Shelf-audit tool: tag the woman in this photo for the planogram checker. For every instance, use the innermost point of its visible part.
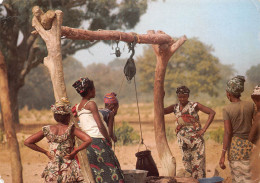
(103, 162)
(62, 166)
(237, 118)
(254, 137)
(109, 112)
(189, 131)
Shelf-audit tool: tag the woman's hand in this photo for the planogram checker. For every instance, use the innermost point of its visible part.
(201, 132)
(114, 138)
(222, 162)
(71, 156)
(48, 154)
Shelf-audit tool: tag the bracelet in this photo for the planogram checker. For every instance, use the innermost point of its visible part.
(224, 150)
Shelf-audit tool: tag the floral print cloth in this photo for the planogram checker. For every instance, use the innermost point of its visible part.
(192, 147)
(240, 149)
(103, 162)
(61, 170)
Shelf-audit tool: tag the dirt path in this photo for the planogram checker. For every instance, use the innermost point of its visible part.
(34, 163)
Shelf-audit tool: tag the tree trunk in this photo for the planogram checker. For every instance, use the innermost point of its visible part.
(163, 54)
(14, 105)
(167, 160)
(16, 166)
(53, 62)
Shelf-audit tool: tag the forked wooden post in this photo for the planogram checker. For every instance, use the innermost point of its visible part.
(163, 54)
(53, 62)
(164, 47)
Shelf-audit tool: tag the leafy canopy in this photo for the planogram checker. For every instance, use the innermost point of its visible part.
(253, 74)
(192, 65)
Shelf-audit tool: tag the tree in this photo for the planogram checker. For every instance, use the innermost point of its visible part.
(12, 141)
(15, 26)
(253, 74)
(193, 65)
(37, 91)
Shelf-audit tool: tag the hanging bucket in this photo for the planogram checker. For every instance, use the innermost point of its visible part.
(145, 162)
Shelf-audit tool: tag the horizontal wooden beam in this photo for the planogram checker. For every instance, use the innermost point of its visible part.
(81, 34)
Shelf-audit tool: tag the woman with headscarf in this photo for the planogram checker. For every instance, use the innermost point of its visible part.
(103, 162)
(109, 112)
(254, 137)
(189, 131)
(237, 118)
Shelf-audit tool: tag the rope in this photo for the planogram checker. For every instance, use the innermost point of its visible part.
(141, 132)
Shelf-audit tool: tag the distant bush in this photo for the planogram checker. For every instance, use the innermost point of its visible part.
(216, 135)
(1, 135)
(126, 135)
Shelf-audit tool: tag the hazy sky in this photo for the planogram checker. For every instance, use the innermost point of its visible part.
(231, 27)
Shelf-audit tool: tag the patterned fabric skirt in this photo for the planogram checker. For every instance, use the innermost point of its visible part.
(240, 149)
(240, 171)
(193, 152)
(61, 170)
(238, 156)
(103, 162)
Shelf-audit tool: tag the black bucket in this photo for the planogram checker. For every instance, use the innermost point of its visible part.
(145, 162)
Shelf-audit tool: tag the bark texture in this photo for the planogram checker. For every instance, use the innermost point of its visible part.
(7, 115)
(81, 34)
(53, 62)
(163, 54)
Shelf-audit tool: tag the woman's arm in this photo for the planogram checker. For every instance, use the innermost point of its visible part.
(211, 114)
(169, 109)
(82, 136)
(111, 126)
(226, 142)
(254, 129)
(32, 140)
(93, 108)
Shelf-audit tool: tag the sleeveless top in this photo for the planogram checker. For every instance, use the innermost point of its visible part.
(105, 113)
(187, 117)
(87, 122)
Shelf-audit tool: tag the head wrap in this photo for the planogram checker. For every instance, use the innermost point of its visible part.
(82, 85)
(110, 98)
(61, 107)
(256, 90)
(183, 90)
(236, 85)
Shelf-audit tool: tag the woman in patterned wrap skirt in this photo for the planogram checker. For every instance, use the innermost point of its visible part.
(189, 131)
(103, 162)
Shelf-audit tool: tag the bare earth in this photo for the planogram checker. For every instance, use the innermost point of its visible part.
(34, 162)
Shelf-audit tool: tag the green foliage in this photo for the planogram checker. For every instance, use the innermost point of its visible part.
(170, 133)
(216, 135)
(1, 135)
(23, 51)
(126, 135)
(192, 65)
(253, 74)
(38, 93)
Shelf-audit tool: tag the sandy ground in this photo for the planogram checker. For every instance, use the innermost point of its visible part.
(34, 162)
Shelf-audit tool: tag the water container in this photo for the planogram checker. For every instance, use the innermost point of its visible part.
(134, 176)
(145, 162)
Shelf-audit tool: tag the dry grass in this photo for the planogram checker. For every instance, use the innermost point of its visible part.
(34, 163)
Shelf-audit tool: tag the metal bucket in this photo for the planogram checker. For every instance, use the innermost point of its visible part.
(135, 176)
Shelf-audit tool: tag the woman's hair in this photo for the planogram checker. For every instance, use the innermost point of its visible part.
(183, 90)
(237, 95)
(83, 86)
(62, 118)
